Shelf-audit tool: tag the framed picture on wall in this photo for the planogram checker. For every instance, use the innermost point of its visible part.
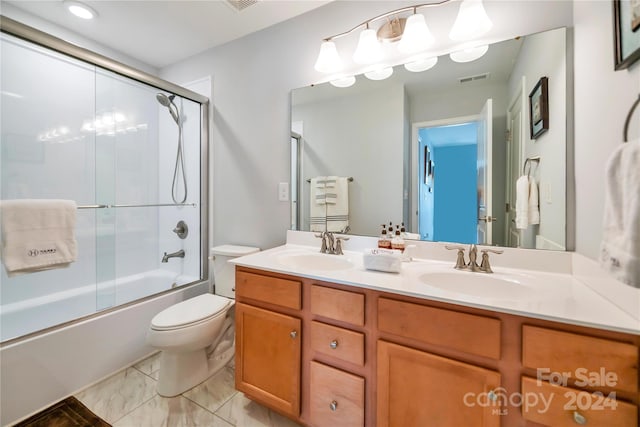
(626, 28)
(539, 108)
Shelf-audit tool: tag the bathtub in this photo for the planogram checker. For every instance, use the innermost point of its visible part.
(42, 368)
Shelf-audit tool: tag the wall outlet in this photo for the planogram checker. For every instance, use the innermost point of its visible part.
(283, 191)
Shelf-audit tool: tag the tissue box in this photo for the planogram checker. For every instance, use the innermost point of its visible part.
(389, 260)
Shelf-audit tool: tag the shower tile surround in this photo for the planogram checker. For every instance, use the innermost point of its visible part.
(128, 398)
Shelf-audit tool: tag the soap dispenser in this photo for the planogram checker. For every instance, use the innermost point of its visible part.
(384, 241)
(397, 242)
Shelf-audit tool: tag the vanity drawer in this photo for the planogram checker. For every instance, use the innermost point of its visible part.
(553, 405)
(565, 352)
(273, 290)
(337, 397)
(337, 342)
(340, 305)
(470, 333)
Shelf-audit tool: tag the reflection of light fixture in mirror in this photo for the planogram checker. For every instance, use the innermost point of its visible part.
(369, 49)
(470, 54)
(416, 36)
(80, 10)
(328, 59)
(421, 64)
(472, 21)
(379, 73)
(345, 81)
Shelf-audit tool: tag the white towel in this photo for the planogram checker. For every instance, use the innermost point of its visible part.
(620, 249)
(317, 204)
(522, 202)
(338, 206)
(38, 235)
(533, 209)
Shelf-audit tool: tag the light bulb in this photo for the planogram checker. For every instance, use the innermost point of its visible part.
(379, 73)
(472, 21)
(345, 81)
(470, 54)
(369, 50)
(328, 59)
(416, 36)
(421, 64)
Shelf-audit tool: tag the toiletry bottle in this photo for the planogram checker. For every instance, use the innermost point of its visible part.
(403, 231)
(397, 242)
(384, 242)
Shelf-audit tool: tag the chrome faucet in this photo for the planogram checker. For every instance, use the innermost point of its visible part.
(178, 254)
(331, 244)
(472, 265)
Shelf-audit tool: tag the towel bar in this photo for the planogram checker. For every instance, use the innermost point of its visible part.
(350, 179)
(133, 206)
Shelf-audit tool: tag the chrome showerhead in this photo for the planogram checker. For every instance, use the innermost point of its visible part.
(167, 101)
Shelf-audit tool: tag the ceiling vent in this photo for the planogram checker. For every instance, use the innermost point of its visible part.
(470, 79)
(240, 5)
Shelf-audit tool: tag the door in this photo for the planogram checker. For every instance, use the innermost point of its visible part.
(268, 357)
(416, 388)
(485, 152)
(514, 159)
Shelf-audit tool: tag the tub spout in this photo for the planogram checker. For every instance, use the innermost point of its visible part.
(179, 254)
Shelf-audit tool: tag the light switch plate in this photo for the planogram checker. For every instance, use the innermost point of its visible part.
(283, 191)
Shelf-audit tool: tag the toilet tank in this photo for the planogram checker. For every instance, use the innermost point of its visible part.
(223, 272)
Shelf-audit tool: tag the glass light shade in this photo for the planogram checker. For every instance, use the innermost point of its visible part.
(422, 64)
(345, 81)
(328, 59)
(472, 21)
(369, 49)
(379, 73)
(416, 36)
(468, 55)
(80, 10)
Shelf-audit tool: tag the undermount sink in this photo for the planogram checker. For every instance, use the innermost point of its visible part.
(504, 287)
(315, 261)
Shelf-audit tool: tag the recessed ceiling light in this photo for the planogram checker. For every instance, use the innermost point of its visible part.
(80, 10)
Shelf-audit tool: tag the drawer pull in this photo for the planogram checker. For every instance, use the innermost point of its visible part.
(293, 334)
(333, 406)
(579, 418)
(333, 344)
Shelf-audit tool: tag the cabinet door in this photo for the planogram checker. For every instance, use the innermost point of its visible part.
(416, 388)
(268, 357)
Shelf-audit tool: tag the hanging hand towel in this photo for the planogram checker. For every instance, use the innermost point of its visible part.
(38, 235)
(317, 204)
(533, 212)
(522, 202)
(338, 206)
(620, 249)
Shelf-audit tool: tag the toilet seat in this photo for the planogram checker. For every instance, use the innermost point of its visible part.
(190, 312)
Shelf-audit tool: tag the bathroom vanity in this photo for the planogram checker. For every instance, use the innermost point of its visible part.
(341, 346)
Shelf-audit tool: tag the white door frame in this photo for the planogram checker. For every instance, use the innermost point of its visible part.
(519, 96)
(414, 203)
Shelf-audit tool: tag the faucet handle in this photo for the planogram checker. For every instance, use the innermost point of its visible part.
(338, 248)
(460, 264)
(484, 264)
(493, 251)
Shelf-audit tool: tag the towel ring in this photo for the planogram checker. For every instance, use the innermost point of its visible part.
(527, 162)
(628, 120)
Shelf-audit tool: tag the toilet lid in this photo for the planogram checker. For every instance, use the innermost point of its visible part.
(190, 311)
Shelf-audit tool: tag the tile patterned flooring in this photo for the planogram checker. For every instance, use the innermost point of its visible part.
(129, 399)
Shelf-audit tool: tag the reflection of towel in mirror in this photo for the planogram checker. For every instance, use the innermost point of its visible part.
(620, 249)
(533, 210)
(317, 206)
(522, 202)
(338, 205)
(38, 235)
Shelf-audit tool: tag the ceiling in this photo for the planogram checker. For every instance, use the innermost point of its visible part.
(163, 32)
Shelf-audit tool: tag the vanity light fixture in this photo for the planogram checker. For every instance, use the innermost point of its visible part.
(469, 54)
(421, 64)
(346, 81)
(379, 73)
(412, 32)
(80, 10)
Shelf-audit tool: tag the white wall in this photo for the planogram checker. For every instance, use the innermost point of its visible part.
(551, 146)
(252, 80)
(602, 99)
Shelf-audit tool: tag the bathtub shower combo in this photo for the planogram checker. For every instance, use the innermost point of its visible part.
(131, 150)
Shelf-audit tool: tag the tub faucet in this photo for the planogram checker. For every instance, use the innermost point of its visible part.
(178, 254)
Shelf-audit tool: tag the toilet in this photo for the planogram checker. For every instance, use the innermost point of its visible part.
(196, 336)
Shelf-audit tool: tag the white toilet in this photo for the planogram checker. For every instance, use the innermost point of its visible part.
(196, 336)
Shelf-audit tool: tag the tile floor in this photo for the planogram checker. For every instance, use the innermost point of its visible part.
(129, 399)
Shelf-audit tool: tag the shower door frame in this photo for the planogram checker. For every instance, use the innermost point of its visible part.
(30, 34)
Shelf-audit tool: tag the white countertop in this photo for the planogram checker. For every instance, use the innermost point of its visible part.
(559, 297)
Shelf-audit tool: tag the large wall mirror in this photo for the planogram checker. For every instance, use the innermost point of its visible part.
(445, 150)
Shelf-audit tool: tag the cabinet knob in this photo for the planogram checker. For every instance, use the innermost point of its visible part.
(333, 344)
(492, 396)
(333, 406)
(293, 334)
(579, 418)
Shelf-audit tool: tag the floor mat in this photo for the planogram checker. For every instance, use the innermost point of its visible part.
(67, 413)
